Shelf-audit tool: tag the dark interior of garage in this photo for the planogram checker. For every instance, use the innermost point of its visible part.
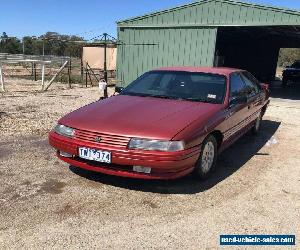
(255, 49)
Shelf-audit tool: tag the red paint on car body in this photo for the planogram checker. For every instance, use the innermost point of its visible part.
(119, 118)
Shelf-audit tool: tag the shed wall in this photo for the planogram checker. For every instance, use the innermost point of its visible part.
(143, 49)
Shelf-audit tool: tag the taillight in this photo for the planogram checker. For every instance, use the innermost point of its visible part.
(266, 88)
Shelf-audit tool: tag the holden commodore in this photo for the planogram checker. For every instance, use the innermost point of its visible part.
(168, 123)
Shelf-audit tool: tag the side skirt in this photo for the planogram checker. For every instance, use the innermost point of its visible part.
(232, 139)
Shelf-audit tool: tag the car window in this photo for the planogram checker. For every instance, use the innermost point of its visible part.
(192, 86)
(251, 77)
(237, 86)
(150, 82)
(252, 88)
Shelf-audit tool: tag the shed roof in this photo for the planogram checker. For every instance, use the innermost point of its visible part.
(217, 13)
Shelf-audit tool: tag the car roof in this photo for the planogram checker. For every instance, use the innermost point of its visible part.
(212, 70)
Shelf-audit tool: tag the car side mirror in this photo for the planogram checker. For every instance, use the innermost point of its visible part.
(119, 89)
(237, 100)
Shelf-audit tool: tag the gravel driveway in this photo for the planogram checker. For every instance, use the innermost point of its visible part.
(45, 203)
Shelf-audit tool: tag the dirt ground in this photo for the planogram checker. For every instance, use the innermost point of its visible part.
(44, 203)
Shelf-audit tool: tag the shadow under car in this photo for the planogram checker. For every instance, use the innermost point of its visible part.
(291, 91)
(229, 162)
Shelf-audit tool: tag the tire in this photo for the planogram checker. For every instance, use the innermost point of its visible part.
(207, 159)
(257, 124)
(284, 82)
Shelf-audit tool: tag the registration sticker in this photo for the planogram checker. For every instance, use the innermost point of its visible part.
(211, 96)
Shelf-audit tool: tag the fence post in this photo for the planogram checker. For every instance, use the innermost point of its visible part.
(1, 78)
(81, 66)
(86, 75)
(34, 70)
(69, 73)
(43, 76)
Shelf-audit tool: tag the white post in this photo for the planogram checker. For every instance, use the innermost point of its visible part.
(1, 78)
(43, 76)
(57, 73)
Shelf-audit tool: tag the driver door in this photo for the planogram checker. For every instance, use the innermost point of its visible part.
(236, 114)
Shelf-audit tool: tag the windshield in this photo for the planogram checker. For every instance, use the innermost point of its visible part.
(201, 87)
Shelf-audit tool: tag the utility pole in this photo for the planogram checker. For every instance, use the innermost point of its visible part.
(43, 47)
(105, 63)
(23, 46)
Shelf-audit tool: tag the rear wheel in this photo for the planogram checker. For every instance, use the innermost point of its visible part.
(284, 81)
(208, 158)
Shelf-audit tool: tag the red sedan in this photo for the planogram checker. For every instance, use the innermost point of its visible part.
(164, 125)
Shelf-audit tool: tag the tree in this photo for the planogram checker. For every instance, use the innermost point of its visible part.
(4, 35)
(9, 44)
(54, 44)
(28, 45)
(287, 56)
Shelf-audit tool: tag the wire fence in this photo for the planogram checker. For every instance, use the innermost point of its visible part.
(31, 67)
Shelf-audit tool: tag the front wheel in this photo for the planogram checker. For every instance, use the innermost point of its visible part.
(208, 158)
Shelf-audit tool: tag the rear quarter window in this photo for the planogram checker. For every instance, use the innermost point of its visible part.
(237, 85)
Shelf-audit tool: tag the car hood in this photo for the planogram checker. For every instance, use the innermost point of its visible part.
(134, 116)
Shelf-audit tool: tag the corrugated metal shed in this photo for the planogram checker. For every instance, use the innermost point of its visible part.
(187, 35)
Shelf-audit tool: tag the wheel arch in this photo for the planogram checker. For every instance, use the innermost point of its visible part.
(264, 109)
(218, 136)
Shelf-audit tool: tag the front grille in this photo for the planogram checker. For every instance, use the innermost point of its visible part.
(105, 139)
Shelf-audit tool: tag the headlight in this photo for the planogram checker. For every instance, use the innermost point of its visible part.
(148, 144)
(64, 130)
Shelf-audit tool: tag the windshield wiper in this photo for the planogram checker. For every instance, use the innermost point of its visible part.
(163, 96)
(149, 95)
(199, 100)
(183, 98)
(133, 94)
(170, 97)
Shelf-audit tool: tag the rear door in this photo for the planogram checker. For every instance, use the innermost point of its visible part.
(255, 96)
(235, 114)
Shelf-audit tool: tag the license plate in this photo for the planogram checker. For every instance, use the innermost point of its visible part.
(95, 155)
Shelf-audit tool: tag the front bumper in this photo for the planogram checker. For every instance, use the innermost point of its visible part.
(164, 165)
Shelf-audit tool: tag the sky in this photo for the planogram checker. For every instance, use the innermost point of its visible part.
(88, 18)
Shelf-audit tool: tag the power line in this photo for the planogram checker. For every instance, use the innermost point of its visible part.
(96, 29)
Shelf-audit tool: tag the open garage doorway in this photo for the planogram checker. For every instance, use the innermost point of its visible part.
(255, 48)
(289, 58)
